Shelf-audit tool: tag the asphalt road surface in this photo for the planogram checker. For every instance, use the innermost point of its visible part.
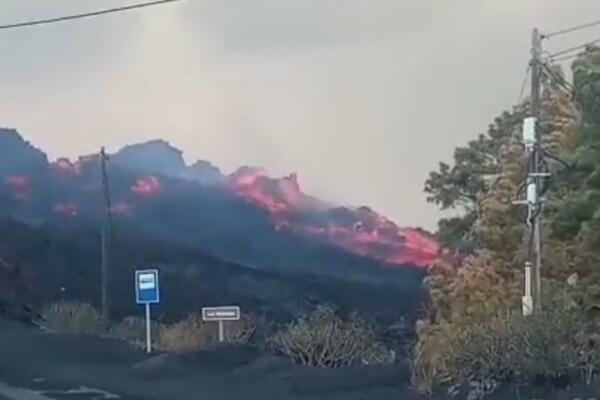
(36, 365)
(52, 392)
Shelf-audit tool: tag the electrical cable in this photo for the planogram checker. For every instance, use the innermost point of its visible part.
(559, 79)
(571, 49)
(565, 58)
(85, 15)
(570, 30)
(525, 80)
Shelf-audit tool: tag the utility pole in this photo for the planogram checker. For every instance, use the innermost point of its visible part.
(532, 299)
(537, 175)
(106, 239)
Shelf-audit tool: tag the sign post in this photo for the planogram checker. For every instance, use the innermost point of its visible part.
(220, 315)
(147, 292)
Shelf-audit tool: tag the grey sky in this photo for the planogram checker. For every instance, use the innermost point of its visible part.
(361, 98)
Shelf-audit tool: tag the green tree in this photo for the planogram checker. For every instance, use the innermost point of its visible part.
(486, 286)
(481, 185)
(461, 186)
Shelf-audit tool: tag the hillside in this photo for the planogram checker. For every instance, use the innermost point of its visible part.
(246, 217)
(244, 238)
(36, 262)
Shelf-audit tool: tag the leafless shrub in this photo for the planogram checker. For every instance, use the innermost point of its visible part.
(323, 339)
(133, 330)
(241, 331)
(190, 335)
(72, 318)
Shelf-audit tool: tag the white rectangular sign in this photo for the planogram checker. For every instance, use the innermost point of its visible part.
(225, 313)
(147, 281)
(146, 286)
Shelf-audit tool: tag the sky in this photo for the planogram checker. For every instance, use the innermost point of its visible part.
(361, 98)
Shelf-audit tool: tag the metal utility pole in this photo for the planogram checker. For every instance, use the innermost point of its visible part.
(106, 239)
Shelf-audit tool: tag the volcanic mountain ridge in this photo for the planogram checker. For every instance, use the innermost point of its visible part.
(150, 180)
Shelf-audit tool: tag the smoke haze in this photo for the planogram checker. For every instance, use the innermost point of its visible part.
(361, 98)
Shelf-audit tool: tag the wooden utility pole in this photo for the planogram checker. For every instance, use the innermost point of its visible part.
(535, 175)
(106, 240)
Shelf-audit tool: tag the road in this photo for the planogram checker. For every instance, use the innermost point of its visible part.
(48, 392)
(36, 365)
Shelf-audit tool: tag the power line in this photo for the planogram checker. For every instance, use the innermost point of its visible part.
(558, 78)
(85, 15)
(569, 30)
(571, 49)
(564, 58)
(525, 79)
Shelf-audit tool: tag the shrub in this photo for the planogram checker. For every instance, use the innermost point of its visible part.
(72, 318)
(241, 331)
(133, 330)
(323, 339)
(189, 335)
(378, 354)
(555, 345)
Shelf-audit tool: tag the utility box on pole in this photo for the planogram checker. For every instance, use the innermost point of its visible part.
(527, 300)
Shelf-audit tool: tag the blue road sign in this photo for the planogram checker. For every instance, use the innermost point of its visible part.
(146, 286)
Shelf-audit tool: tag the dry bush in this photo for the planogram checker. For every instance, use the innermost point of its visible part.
(378, 354)
(241, 331)
(72, 318)
(557, 344)
(133, 330)
(435, 355)
(190, 335)
(323, 339)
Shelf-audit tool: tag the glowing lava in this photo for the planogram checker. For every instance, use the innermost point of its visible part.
(67, 167)
(122, 210)
(254, 185)
(66, 209)
(148, 186)
(361, 231)
(19, 185)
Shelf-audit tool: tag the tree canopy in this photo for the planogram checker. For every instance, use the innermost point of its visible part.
(485, 178)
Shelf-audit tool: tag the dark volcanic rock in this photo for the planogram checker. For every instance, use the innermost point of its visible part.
(204, 172)
(266, 364)
(222, 357)
(18, 155)
(161, 366)
(313, 381)
(155, 156)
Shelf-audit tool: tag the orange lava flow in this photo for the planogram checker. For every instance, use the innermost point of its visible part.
(363, 231)
(148, 186)
(66, 209)
(19, 185)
